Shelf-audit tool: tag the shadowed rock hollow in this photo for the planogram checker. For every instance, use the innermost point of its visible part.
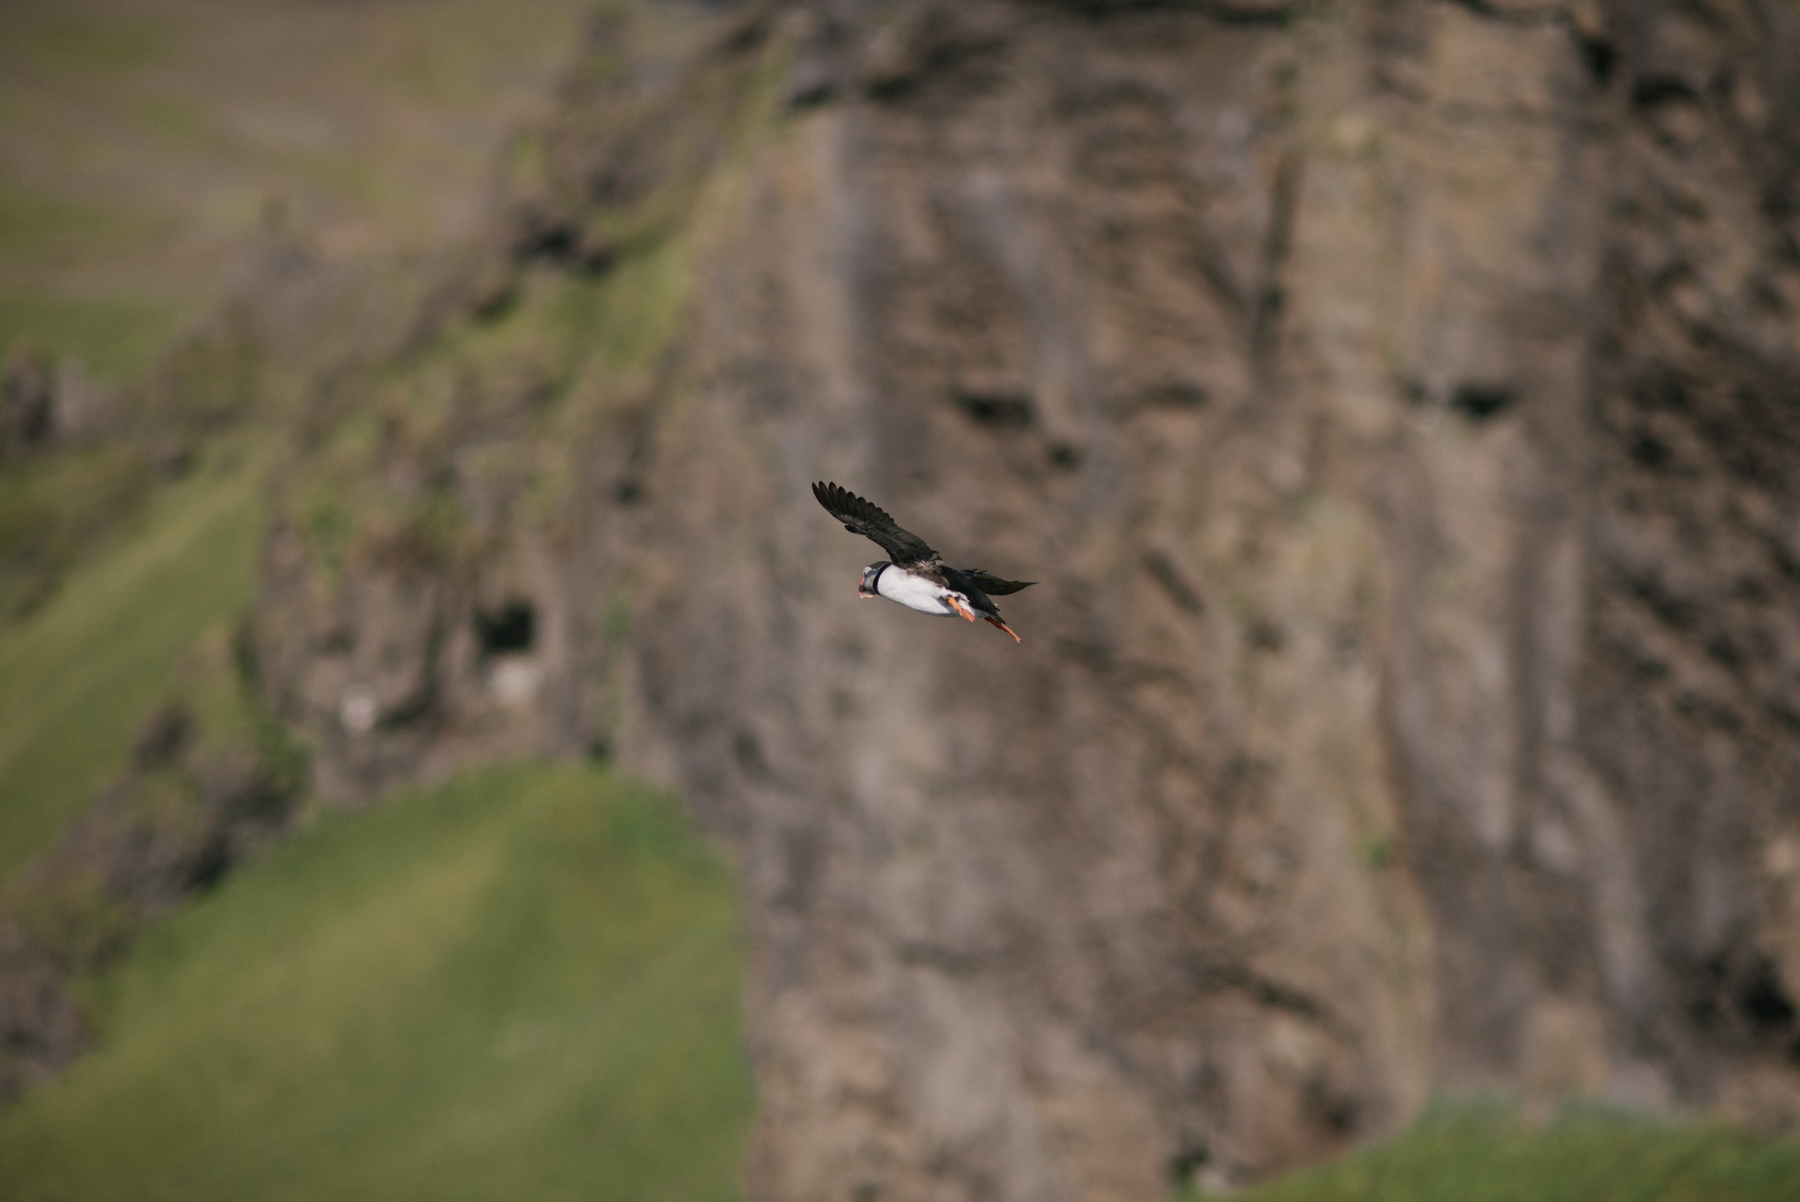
(1399, 403)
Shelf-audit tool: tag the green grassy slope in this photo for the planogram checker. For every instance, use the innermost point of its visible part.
(519, 985)
(113, 337)
(78, 676)
(144, 143)
(1486, 1153)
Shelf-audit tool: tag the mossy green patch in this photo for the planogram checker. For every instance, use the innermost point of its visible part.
(113, 337)
(32, 223)
(79, 675)
(75, 42)
(630, 322)
(522, 984)
(181, 123)
(1479, 1152)
(52, 506)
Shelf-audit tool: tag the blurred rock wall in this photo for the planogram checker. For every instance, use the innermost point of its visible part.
(1399, 403)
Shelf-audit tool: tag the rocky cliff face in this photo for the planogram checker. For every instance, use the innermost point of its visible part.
(1399, 403)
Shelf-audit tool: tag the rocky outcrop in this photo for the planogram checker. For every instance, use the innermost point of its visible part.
(1400, 405)
(28, 395)
(210, 783)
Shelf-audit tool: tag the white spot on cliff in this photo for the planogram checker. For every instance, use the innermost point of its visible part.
(1781, 858)
(515, 679)
(359, 709)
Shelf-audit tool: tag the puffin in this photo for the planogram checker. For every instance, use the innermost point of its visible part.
(917, 577)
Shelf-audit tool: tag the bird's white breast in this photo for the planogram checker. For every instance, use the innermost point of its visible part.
(913, 592)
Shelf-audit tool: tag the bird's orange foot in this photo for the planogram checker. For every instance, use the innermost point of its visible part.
(1003, 626)
(960, 606)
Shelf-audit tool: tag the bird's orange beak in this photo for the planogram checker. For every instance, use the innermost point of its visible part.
(862, 593)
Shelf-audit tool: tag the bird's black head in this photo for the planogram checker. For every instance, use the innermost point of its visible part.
(866, 588)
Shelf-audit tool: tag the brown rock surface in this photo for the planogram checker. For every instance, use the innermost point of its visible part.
(1400, 405)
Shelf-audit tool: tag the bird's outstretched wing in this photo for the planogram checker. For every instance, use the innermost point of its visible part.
(993, 586)
(864, 518)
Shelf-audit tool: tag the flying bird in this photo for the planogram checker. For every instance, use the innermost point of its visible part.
(917, 577)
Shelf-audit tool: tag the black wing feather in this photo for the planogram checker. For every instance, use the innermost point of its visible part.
(865, 518)
(993, 585)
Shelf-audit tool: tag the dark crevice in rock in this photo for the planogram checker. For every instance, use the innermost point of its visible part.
(1653, 91)
(1277, 244)
(1226, 12)
(1170, 578)
(510, 629)
(999, 411)
(1600, 57)
(1481, 402)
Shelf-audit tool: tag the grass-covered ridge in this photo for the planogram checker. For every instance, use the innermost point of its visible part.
(519, 985)
(80, 674)
(1486, 1152)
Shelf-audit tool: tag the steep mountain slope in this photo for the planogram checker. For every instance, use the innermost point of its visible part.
(1397, 403)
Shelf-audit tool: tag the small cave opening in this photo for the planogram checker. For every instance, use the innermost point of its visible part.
(997, 409)
(1481, 402)
(1741, 999)
(560, 244)
(1175, 394)
(508, 630)
(1599, 56)
(1765, 1006)
(1653, 91)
